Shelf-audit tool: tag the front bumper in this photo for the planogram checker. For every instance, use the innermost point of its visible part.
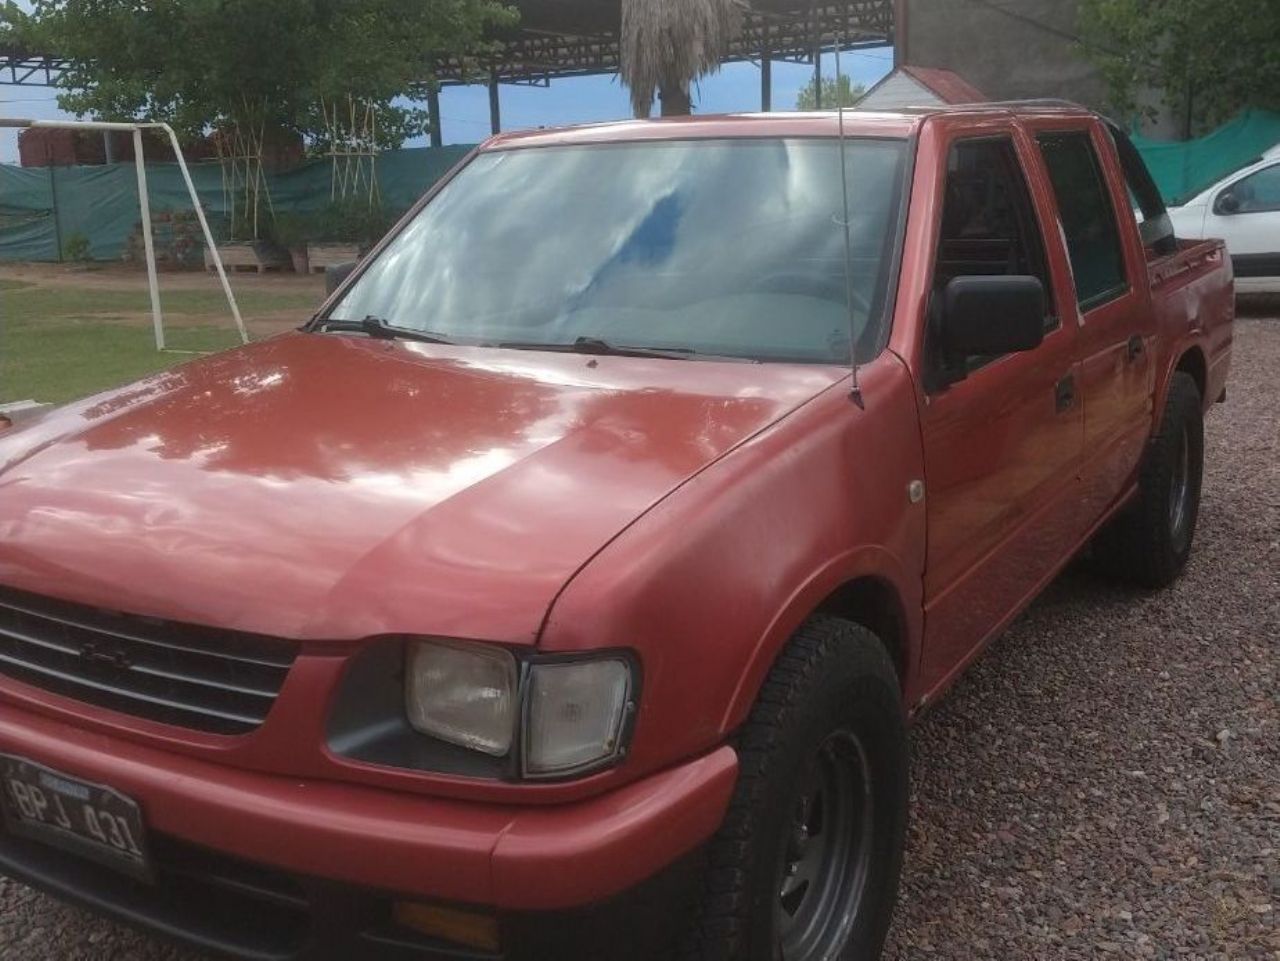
(506, 859)
(245, 911)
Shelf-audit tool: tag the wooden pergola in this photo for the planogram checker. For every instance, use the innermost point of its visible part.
(577, 38)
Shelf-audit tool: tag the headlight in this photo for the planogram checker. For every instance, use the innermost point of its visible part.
(576, 715)
(465, 695)
(571, 714)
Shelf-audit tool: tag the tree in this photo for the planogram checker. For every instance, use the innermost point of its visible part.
(1203, 60)
(255, 73)
(836, 92)
(668, 44)
(15, 26)
(198, 64)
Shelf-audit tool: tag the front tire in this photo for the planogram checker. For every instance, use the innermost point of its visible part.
(806, 864)
(1150, 542)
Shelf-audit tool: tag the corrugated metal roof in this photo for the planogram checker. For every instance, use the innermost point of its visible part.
(912, 86)
(948, 85)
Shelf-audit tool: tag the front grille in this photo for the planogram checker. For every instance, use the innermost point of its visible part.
(195, 677)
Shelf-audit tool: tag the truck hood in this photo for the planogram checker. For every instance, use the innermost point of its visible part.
(329, 487)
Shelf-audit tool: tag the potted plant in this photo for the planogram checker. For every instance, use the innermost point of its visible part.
(259, 254)
(344, 232)
(293, 232)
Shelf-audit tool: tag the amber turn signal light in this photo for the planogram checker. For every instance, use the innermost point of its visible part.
(450, 924)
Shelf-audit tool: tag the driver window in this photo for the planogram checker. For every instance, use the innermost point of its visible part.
(1257, 193)
(988, 224)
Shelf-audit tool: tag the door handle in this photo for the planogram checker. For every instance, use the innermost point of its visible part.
(1135, 348)
(1064, 394)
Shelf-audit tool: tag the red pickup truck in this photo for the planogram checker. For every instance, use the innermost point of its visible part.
(566, 586)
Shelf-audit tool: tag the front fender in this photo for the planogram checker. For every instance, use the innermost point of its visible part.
(866, 562)
(708, 585)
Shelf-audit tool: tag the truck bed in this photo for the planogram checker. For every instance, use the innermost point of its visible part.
(1194, 301)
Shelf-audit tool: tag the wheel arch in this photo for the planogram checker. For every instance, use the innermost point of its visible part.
(870, 588)
(874, 603)
(1188, 358)
(1192, 361)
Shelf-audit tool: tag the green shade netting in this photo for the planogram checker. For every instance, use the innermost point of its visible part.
(1183, 169)
(39, 205)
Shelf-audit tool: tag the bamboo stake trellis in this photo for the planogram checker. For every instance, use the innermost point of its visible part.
(239, 146)
(353, 149)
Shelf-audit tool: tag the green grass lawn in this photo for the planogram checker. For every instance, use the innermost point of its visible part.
(55, 344)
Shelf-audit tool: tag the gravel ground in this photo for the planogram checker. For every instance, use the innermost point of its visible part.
(1104, 784)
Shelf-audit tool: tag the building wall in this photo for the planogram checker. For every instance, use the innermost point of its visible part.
(996, 47)
(65, 147)
(898, 90)
(1010, 49)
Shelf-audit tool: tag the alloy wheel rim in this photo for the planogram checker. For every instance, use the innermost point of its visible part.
(827, 853)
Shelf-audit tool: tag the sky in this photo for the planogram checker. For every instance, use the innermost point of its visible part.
(464, 111)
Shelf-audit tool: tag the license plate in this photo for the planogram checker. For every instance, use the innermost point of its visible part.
(90, 820)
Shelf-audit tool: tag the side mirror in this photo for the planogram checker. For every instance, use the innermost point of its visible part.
(1228, 203)
(335, 275)
(990, 316)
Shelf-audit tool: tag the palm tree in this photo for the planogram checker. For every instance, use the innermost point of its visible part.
(668, 44)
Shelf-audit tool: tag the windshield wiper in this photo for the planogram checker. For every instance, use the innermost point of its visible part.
(596, 345)
(379, 329)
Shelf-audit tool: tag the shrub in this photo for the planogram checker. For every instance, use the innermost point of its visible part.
(352, 222)
(292, 230)
(76, 248)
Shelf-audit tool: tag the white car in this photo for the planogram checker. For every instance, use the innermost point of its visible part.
(1244, 210)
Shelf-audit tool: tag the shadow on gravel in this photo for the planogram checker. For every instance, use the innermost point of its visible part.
(1258, 305)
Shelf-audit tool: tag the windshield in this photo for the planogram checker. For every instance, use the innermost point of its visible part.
(719, 247)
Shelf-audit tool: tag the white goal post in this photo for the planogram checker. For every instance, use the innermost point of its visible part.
(157, 317)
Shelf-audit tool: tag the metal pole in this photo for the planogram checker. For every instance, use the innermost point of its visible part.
(1188, 115)
(901, 52)
(204, 226)
(766, 80)
(817, 77)
(11, 122)
(139, 162)
(433, 107)
(495, 106)
(53, 199)
(817, 57)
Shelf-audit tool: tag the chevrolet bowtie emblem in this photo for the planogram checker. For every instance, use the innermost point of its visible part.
(114, 659)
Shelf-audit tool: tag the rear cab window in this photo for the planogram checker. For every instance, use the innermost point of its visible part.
(1155, 227)
(1088, 217)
